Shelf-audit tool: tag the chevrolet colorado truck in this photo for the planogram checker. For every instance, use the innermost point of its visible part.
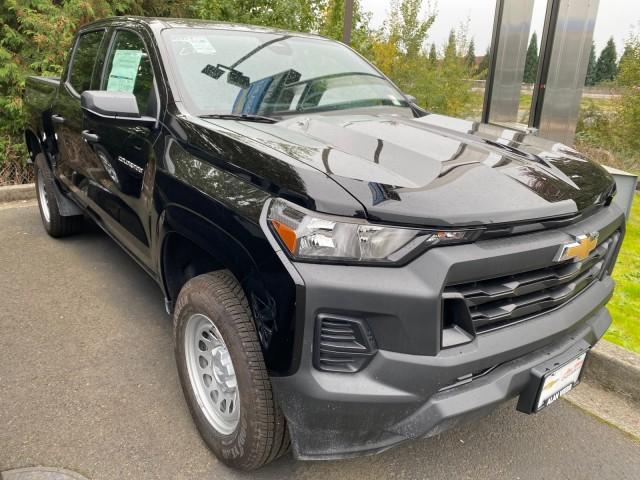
(345, 270)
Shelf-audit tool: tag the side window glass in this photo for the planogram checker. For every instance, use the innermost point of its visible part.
(84, 58)
(129, 69)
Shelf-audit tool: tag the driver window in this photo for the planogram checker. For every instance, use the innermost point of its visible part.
(129, 70)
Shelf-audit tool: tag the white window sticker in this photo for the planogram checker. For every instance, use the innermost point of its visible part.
(199, 43)
(124, 70)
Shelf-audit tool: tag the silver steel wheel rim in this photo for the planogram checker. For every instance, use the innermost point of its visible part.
(211, 373)
(42, 196)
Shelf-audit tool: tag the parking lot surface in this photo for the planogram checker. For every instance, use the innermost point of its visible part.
(88, 383)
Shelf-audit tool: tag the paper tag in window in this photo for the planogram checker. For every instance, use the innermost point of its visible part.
(124, 69)
(199, 43)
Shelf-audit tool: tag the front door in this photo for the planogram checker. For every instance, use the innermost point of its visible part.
(122, 185)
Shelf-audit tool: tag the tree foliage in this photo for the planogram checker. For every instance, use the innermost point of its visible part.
(590, 80)
(34, 38)
(607, 64)
(288, 14)
(616, 129)
(331, 22)
(470, 57)
(433, 55)
(483, 68)
(531, 61)
(439, 84)
(629, 106)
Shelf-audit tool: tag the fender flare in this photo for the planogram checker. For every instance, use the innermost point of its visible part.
(176, 219)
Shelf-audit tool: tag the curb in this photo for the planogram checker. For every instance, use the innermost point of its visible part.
(614, 368)
(14, 193)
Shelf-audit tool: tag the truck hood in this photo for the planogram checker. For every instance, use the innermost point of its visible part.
(439, 170)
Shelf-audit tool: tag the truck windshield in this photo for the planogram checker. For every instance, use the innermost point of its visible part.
(230, 72)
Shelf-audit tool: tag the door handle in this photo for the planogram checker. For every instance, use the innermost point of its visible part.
(90, 137)
(57, 118)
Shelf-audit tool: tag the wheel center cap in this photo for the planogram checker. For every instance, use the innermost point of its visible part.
(223, 368)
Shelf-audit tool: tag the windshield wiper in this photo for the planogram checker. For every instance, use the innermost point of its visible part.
(247, 117)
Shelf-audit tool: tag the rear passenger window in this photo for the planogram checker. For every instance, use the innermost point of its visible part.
(84, 58)
(129, 69)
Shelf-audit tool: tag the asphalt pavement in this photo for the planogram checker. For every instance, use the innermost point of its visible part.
(88, 383)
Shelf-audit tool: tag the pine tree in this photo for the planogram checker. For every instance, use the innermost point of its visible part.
(451, 50)
(607, 65)
(626, 55)
(470, 58)
(433, 55)
(590, 80)
(531, 61)
(483, 68)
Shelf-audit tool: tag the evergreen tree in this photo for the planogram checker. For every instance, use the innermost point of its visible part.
(626, 55)
(590, 80)
(451, 50)
(607, 65)
(470, 59)
(531, 61)
(433, 55)
(629, 71)
(483, 68)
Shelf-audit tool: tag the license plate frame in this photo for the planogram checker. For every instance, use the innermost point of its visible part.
(532, 399)
(559, 382)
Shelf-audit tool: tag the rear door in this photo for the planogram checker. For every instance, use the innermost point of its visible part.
(121, 185)
(80, 75)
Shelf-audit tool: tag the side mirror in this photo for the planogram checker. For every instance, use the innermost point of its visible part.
(418, 111)
(113, 106)
(411, 99)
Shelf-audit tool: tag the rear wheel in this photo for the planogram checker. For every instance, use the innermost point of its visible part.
(223, 375)
(55, 224)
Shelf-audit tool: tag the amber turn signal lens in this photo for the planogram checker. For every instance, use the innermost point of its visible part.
(286, 234)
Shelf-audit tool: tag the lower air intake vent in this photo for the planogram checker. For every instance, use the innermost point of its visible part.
(342, 344)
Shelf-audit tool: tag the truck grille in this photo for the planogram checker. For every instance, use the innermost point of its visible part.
(496, 302)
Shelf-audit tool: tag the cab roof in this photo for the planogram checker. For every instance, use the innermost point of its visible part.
(161, 23)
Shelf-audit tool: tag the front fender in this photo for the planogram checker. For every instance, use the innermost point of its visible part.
(226, 230)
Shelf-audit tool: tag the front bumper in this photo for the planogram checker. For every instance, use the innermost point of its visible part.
(410, 388)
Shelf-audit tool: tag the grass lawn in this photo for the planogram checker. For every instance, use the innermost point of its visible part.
(625, 304)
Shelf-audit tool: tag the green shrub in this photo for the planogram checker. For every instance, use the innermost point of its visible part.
(34, 38)
(616, 128)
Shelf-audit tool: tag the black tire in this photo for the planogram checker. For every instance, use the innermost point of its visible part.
(56, 225)
(261, 435)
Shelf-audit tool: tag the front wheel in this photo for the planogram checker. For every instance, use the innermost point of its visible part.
(223, 375)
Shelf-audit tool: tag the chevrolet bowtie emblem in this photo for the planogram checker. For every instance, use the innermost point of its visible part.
(578, 250)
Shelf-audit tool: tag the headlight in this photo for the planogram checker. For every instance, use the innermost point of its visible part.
(309, 235)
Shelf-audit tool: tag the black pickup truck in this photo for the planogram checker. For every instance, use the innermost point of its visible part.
(345, 270)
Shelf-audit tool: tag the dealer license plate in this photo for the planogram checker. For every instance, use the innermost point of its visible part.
(559, 382)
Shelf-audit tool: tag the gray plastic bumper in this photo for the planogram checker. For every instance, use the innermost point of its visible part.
(397, 397)
(410, 388)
